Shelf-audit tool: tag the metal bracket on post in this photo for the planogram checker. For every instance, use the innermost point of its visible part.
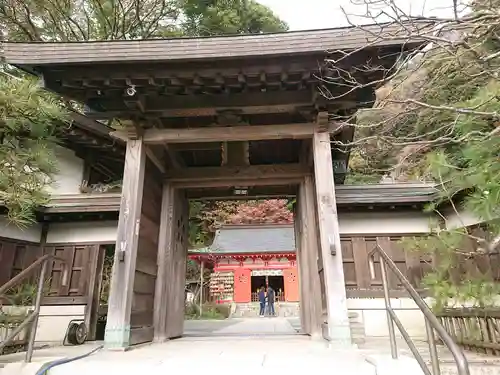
(333, 248)
(121, 253)
(320, 264)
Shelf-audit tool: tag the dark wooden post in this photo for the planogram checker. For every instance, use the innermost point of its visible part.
(127, 239)
(337, 325)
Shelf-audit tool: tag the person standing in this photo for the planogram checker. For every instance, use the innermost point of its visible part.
(270, 300)
(262, 300)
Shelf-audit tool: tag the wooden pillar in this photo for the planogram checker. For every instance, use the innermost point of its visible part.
(201, 287)
(127, 239)
(337, 324)
(176, 260)
(311, 246)
(303, 266)
(164, 250)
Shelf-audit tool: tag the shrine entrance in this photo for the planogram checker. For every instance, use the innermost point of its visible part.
(320, 272)
(218, 117)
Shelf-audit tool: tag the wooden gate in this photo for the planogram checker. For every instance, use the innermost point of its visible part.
(291, 280)
(242, 285)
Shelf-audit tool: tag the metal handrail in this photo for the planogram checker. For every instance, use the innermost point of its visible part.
(32, 318)
(431, 322)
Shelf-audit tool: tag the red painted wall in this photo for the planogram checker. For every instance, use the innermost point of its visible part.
(242, 277)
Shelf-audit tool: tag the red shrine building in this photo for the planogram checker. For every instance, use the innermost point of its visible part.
(248, 257)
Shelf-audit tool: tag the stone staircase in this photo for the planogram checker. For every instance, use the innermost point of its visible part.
(292, 310)
(479, 364)
(357, 328)
(251, 310)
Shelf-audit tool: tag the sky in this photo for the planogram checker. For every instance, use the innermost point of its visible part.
(320, 14)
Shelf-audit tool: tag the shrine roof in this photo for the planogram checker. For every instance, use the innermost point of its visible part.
(209, 48)
(259, 238)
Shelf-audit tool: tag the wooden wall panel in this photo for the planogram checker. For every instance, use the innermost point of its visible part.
(355, 251)
(78, 257)
(15, 256)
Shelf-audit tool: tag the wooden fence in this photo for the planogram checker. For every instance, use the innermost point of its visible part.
(476, 329)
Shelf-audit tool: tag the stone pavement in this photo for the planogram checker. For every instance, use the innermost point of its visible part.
(241, 327)
(246, 345)
(242, 345)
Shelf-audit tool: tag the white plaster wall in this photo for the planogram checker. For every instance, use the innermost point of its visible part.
(70, 173)
(460, 218)
(381, 222)
(81, 232)
(33, 233)
(372, 314)
(54, 320)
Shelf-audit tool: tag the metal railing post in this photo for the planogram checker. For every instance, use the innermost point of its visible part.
(432, 348)
(38, 302)
(32, 318)
(388, 309)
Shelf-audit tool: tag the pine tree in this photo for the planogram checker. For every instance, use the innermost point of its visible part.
(29, 119)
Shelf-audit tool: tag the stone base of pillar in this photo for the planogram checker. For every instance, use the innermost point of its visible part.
(337, 335)
(117, 338)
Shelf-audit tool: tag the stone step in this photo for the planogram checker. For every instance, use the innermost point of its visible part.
(251, 310)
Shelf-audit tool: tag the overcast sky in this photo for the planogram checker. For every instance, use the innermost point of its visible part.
(319, 14)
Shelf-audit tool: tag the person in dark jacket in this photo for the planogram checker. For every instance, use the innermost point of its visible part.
(262, 300)
(270, 300)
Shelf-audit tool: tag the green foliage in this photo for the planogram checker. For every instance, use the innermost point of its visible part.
(205, 217)
(210, 311)
(22, 295)
(439, 120)
(222, 17)
(61, 20)
(452, 282)
(39, 20)
(106, 275)
(29, 119)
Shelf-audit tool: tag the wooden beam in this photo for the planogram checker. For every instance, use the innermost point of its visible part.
(253, 174)
(229, 134)
(90, 125)
(174, 160)
(254, 192)
(156, 159)
(202, 146)
(337, 325)
(235, 154)
(182, 71)
(203, 105)
(127, 240)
